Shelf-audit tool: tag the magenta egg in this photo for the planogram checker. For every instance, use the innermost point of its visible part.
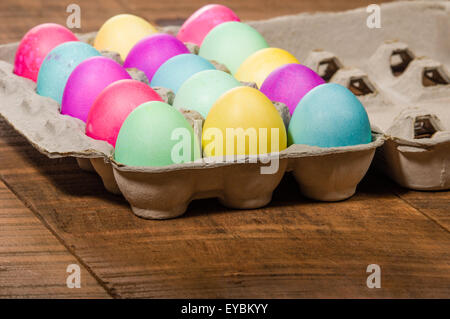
(289, 83)
(197, 26)
(36, 44)
(112, 106)
(151, 52)
(86, 82)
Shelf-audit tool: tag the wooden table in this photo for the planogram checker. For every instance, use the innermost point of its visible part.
(52, 214)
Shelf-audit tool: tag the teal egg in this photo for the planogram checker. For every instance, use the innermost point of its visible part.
(59, 64)
(201, 90)
(156, 134)
(329, 116)
(172, 73)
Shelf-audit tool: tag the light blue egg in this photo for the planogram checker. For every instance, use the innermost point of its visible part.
(172, 73)
(329, 116)
(59, 64)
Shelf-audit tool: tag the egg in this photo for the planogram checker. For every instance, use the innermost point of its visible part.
(260, 64)
(86, 82)
(201, 90)
(289, 83)
(197, 26)
(58, 65)
(152, 51)
(121, 32)
(329, 115)
(156, 134)
(252, 117)
(36, 44)
(113, 105)
(230, 43)
(172, 73)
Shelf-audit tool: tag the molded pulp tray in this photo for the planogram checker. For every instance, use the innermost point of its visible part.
(394, 103)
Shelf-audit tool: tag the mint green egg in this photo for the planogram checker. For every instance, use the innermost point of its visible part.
(156, 134)
(230, 43)
(201, 90)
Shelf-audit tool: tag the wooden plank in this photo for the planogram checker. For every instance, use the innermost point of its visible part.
(33, 262)
(435, 205)
(292, 248)
(18, 16)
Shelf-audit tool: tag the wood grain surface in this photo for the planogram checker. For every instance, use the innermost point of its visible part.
(53, 214)
(292, 248)
(18, 16)
(33, 262)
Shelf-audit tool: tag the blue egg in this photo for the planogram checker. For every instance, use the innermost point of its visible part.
(59, 64)
(172, 73)
(329, 116)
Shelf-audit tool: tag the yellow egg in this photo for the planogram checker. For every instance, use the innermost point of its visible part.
(257, 67)
(121, 32)
(243, 121)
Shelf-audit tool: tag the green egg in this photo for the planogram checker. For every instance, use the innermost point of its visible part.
(201, 90)
(230, 43)
(156, 134)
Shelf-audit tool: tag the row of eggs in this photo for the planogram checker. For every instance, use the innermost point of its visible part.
(131, 116)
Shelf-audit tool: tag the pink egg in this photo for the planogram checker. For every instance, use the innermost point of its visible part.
(112, 106)
(289, 83)
(86, 82)
(197, 26)
(35, 45)
(151, 52)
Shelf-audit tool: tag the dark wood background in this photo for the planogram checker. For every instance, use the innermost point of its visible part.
(52, 214)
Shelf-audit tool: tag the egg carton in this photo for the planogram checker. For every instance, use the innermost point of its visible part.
(409, 101)
(399, 72)
(326, 174)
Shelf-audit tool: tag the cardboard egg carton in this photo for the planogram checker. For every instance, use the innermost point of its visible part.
(414, 117)
(400, 72)
(327, 174)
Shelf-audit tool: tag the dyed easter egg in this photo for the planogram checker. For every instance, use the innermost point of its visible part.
(156, 134)
(254, 119)
(289, 83)
(152, 51)
(113, 105)
(172, 73)
(257, 67)
(197, 26)
(36, 44)
(86, 82)
(329, 115)
(201, 90)
(121, 32)
(230, 43)
(58, 65)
